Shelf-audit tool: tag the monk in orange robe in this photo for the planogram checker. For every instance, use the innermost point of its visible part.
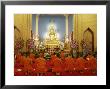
(69, 64)
(80, 64)
(57, 66)
(27, 65)
(91, 63)
(32, 56)
(40, 66)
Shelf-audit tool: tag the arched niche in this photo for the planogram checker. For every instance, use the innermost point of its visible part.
(88, 36)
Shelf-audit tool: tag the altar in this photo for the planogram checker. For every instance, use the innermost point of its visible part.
(51, 40)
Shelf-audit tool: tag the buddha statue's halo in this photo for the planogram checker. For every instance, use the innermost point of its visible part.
(51, 25)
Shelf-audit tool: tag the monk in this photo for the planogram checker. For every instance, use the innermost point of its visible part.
(57, 66)
(91, 63)
(27, 65)
(32, 56)
(40, 65)
(80, 64)
(69, 64)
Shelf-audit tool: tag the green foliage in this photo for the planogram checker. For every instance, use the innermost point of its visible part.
(47, 56)
(25, 54)
(75, 55)
(37, 54)
(57, 53)
(80, 54)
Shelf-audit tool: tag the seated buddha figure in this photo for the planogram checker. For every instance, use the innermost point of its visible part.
(52, 36)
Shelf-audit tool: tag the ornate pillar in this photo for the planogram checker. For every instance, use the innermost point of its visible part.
(75, 21)
(30, 25)
(66, 30)
(67, 43)
(66, 20)
(37, 20)
(36, 36)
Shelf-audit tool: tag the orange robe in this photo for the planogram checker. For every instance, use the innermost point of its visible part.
(32, 56)
(69, 64)
(92, 64)
(80, 64)
(27, 65)
(57, 65)
(40, 65)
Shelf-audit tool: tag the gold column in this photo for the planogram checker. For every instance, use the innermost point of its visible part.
(67, 43)
(26, 31)
(66, 18)
(73, 28)
(37, 20)
(75, 21)
(27, 26)
(30, 26)
(76, 27)
(36, 36)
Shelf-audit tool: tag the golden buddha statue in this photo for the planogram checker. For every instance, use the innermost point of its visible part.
(52, 40)
(52, 34)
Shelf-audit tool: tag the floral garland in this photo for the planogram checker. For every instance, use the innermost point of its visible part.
(74, 46)
(19, 44)
(85, 48)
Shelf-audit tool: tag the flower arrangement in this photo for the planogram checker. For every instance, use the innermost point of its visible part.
(19, 44)
(74, 44)
(57, 53)
(83, 44)
(30, 44)
(41, 47)
(36, 53)
(84, 47)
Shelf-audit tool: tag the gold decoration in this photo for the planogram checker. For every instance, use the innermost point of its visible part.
(51, 40)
